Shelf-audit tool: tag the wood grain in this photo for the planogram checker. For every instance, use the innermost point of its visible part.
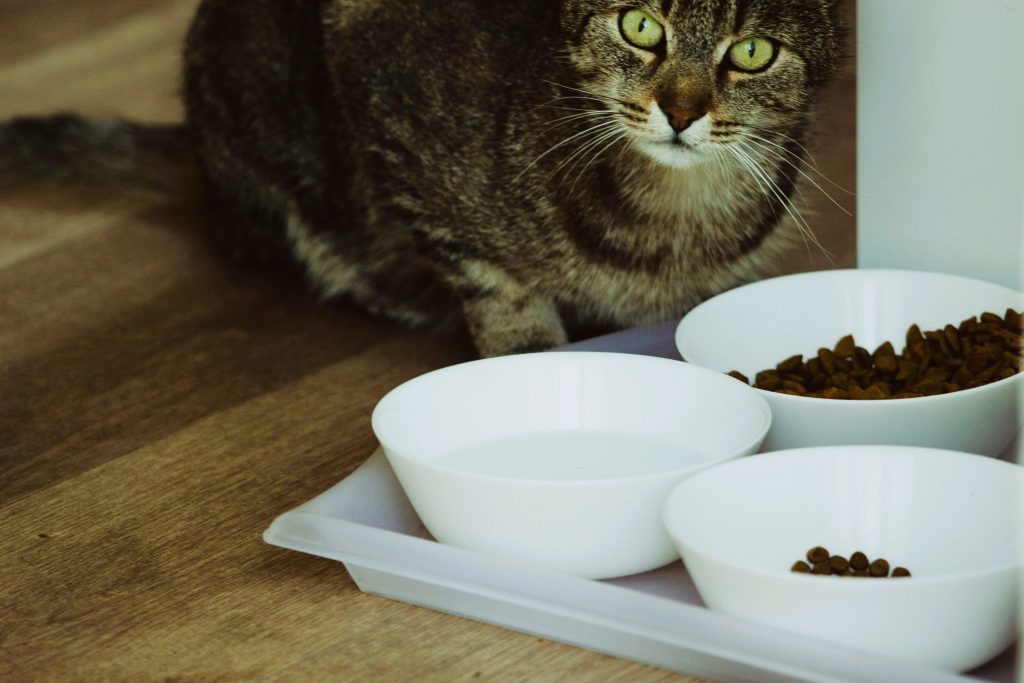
(158, 409)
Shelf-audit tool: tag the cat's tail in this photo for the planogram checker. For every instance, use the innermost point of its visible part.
(73, 150)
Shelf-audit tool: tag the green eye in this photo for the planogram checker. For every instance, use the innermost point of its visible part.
(640, 29)
(752, 54)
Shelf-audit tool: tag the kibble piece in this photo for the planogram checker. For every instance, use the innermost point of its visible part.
(988, 317)
(794, 387)
(879, 568)
(827, 361)
(1014, 320)
(857, 393)
(846, 348)
(899, 572)
(739, 375)
(887, 364)
(862, 358)
(859, 561)
(841, 380)
(839, 564)
(790, 364)
(876, 392)
(800, 567)
(914, 336)
(952, 337)
(861, 572)
(768, 380)
(818, 554)
(822, 568)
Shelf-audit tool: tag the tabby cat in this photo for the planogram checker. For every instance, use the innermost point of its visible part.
(519, 167)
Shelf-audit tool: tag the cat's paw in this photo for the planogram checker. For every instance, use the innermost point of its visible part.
(502, 327)
(518, 341)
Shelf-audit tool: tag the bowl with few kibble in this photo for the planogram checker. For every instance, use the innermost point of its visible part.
(562, 459)
(815, 540)
(871, 357)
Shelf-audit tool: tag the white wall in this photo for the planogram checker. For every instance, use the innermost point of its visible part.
(940, 148)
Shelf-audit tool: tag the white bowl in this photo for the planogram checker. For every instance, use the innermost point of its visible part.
(757, 326)
(950, 518)
(562, 459)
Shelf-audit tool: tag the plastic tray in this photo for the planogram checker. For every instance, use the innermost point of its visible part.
(657, 618)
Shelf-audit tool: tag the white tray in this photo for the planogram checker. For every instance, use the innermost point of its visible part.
(657, 618)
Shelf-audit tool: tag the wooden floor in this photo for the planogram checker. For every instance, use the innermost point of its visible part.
(158, 410)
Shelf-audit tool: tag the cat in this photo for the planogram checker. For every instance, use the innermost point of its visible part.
(519, 168)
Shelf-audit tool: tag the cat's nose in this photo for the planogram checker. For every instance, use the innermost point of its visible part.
(680, 118)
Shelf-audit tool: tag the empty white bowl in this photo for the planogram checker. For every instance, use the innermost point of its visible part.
(755, 327)
(562, 459)
(950, 518)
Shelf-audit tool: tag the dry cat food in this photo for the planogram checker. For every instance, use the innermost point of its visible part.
(980, 350)
(824, 563)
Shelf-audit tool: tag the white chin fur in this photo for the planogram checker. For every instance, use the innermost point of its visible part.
(672, 155)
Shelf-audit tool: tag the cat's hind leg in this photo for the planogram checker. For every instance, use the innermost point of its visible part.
(381, 280)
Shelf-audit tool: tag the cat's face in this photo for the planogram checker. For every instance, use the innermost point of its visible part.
(685, 80)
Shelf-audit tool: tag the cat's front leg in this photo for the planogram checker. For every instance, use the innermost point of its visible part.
(503, 315)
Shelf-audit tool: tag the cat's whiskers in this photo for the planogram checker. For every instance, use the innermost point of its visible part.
(601, 133)
(616, 138)
(588, 114)
(800, 160)
(603, 98)
(720, 151)
(562, 108)
(783, 148)
(797, 168)
(743, 154)
(595, 129)
(811, 161)
(584, 103)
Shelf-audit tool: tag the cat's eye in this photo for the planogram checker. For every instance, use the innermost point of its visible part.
(640, 29)
(752, 54)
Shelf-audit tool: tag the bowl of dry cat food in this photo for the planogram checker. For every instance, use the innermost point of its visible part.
(871, 357)
(901, 551)
(562, 460)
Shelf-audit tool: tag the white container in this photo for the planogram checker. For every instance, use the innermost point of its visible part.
(756, 326)
(940, 96)
(562, 459)
(657, 617)
(950, 518)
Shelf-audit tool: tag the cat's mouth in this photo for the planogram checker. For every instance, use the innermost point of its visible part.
(675, 151)
(674, 145)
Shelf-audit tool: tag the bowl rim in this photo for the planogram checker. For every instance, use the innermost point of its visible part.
(753, 399)
(785, 575)
(885, 403)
